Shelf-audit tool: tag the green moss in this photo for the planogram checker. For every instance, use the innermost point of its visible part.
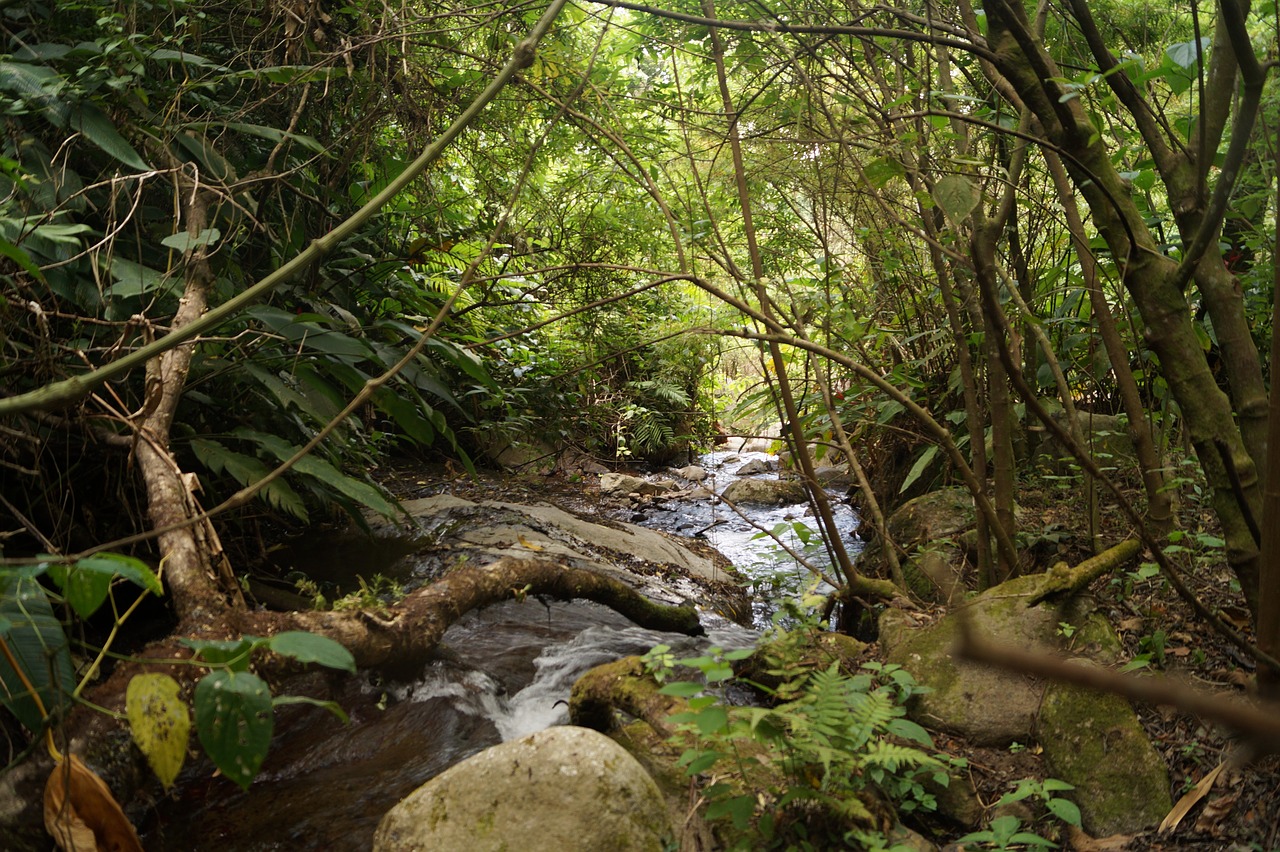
(1095, 742)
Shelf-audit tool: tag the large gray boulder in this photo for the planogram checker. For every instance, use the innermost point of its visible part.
(560, 789)
(664, 568)
(769, 492)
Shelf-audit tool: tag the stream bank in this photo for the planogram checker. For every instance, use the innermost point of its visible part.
(502, 672)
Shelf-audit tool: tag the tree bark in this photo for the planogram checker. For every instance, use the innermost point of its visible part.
(191, 560)
(1149, 276)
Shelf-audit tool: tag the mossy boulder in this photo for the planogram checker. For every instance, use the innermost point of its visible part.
(930, 528)
(987, 706)
(562, 788)
(1095, 742)
(1092, 741)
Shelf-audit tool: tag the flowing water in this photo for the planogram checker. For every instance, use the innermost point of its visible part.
(503, 672)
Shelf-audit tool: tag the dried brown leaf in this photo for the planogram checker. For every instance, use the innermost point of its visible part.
(1191, 799)
(81, 814)
(1082, 842)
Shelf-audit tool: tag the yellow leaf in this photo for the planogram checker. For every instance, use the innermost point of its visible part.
(159, 722)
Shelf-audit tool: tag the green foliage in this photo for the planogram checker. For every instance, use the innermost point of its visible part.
(35, 636)
(1007, 831)
(803, 769)
(233, 707)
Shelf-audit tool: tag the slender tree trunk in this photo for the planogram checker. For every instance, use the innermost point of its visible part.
(1149, 276)
(191, 562)
(1159, 507)
(999, 401)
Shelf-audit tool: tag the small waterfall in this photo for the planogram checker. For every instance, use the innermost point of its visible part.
(543, 702)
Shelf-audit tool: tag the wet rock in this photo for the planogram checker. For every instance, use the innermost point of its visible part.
(834, 476)
(621, 484)
(753, 467)
(693, 473)
(663, 568)
(562, 788)
(772, 492)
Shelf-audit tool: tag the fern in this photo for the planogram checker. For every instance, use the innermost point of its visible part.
(666, 392)
(814, 757)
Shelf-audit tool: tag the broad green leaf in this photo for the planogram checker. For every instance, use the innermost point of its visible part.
(957, 196)
(234, 720)
(119, 565)
(921, 465)
(233, 653)
(84, 590)
(909, 730)
(181, 56)
(310, 333)
(34, 84)
(361, 492)
(271, 134)
(247, 470)
(739, 808)
(312, 648)
(712, 720)
(159, 723)
(20, 257)
(1184, 53)
(98, 129)
(184, 242)
(879, 172)
(134, 279)
(1065, 810)
(38, 643)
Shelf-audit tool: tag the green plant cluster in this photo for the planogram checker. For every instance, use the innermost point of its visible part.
(822, 765)
(233, 707)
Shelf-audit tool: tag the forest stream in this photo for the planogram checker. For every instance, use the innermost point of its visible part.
(504, 672)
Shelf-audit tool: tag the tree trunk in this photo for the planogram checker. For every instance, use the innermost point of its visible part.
(191, 560)
(1148, 275)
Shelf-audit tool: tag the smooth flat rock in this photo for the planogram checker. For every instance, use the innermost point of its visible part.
(659, 566)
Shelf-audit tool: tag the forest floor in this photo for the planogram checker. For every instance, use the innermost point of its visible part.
(1162, 635)
(1239, 812)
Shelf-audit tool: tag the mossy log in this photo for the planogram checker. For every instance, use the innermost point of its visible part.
(1062, 581)
(624, 686)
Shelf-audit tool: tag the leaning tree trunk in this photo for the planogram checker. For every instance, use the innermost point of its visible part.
(191, 561)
